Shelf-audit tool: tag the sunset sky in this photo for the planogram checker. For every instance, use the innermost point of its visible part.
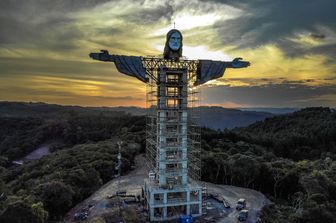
(291, 44)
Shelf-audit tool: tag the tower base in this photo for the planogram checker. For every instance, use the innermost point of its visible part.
(170, 203)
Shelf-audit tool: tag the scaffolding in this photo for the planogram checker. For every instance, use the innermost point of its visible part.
(194, 131)
(152, 65)
(173, 146)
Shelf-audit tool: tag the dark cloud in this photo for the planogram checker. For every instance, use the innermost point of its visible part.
(152, 15)
(330, 78)
(41, 23)
(317, 36)
(269, 81)
(272, 95)
(27, 7)
(273, 21)
(264, 21)
(51, 25)
(294, 49)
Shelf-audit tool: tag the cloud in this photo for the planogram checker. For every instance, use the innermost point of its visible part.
(71, 92)
(269, 21)
(271, 95)
(260, 82)
(279, 23)
(68, 82)
(60, 96)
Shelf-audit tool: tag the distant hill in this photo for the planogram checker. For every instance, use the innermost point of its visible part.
(39, 109)
(221, 118)
(307, 133)
(276, 111)
(211, 117)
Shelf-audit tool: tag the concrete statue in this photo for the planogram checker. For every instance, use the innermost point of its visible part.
(172, 141)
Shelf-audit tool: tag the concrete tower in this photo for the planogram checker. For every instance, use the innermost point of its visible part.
(169, 191)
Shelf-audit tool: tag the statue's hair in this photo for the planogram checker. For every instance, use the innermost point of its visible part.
(169, 53)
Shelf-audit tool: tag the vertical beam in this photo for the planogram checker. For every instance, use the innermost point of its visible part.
(165, 207)
(188, 202)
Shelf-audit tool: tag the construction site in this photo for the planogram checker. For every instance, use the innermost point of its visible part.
(121, 200)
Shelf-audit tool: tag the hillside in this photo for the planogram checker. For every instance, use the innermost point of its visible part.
(306, 134)
(275, 111)
(83, 159)
(290, 158)
(221, 118)
(39, 109)
(25, 126)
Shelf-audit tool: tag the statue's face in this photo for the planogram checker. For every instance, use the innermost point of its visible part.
(175, 41)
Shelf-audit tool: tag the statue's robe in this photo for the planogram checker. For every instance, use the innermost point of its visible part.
(132, 65)
(208, 70)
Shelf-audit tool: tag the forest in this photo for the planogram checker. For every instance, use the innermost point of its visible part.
(290, 158)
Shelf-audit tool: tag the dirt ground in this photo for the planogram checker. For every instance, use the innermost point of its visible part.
(102, 209)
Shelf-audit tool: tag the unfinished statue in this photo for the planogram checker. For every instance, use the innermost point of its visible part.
(172, 141)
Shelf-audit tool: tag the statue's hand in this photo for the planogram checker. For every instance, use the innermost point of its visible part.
(103, 56)
(238, 63)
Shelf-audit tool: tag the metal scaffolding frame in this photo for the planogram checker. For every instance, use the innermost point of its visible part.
(173, 140)
(153, 65)
(194, 132)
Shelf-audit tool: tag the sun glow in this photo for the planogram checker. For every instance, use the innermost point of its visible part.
(184, 22)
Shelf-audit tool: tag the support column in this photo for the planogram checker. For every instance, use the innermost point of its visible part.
(200, 202)
(188, 201)
(151, 211)
(165, 207)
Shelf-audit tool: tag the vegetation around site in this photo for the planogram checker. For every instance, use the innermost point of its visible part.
(290, 158)
(83, 157)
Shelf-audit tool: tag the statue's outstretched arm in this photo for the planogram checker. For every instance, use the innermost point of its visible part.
(102, 56)
(129, 65)
(237, 63)
(209, 70)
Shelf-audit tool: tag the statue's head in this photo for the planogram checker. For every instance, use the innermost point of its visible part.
(173, 47)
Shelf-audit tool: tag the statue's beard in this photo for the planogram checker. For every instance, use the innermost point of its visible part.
(174, 46)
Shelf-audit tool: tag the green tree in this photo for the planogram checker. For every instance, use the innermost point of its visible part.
(21, 212)
(57, 198)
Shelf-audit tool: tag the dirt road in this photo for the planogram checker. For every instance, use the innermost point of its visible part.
(254, 201)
